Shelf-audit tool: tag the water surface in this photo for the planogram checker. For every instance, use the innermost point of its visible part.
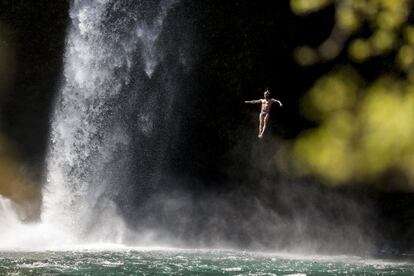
(190, 262)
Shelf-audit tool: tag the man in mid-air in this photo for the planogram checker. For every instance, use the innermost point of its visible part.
(266, 103)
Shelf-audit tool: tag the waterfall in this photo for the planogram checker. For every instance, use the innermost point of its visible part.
(90, 153)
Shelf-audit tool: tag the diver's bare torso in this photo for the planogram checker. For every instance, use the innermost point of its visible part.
(266, 105)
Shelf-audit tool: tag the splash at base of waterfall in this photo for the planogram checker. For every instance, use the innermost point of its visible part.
(17, 235)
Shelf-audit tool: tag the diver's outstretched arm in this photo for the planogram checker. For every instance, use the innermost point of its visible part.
(277, 101)
(253, 102)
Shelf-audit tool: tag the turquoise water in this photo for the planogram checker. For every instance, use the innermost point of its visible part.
(189, 262)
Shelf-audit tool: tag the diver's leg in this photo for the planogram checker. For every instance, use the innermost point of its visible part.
(265, 120)
(260, 124)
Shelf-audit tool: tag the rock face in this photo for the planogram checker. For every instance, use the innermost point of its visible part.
(32, 38)
(36, 32)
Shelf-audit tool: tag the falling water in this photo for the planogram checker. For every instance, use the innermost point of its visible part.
(90, 142)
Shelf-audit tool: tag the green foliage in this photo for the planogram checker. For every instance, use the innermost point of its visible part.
(301, 7)
(365, 129)
(387, 21)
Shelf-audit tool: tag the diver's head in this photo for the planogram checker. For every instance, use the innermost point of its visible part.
(267, 94)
